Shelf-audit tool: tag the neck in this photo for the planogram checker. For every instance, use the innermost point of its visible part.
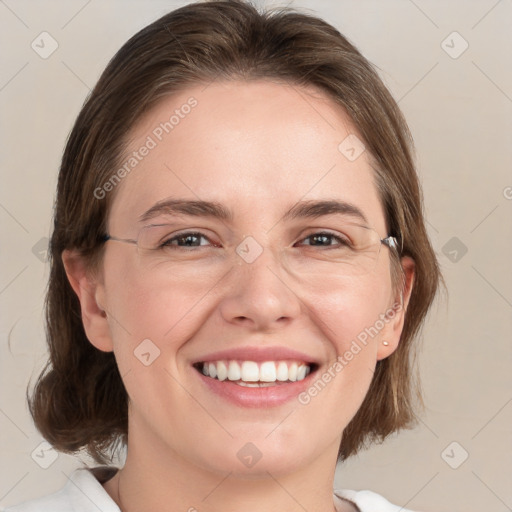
(158, 479)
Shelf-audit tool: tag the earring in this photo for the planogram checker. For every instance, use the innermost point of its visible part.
(385, 343)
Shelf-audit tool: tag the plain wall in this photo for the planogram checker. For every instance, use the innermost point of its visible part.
(459, 108)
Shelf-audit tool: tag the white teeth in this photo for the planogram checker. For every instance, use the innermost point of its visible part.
(234, 371)
(254, 384)
(282, 371)
(268, 372)
(252, 374)
(222, 370)
(301, 372)
(292, 372)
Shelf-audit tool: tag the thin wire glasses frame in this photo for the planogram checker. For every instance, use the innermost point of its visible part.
(166, 235)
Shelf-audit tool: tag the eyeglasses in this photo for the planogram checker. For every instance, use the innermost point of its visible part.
(351, 249)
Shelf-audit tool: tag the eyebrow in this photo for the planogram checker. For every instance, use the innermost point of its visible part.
(195, 208)
(301, 210)
(313, 209)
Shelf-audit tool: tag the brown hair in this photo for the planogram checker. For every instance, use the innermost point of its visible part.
(79, 400)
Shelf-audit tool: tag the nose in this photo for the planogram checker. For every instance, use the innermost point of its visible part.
(259, 296)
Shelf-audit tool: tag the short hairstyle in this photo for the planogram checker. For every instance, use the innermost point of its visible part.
(79, 400)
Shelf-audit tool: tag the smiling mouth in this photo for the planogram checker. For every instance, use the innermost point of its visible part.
(254, 374)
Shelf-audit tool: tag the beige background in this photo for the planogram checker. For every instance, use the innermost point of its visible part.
(460, 112)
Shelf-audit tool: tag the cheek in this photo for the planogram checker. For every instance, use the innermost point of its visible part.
(350, 310)
(348, 314)
(142, 306)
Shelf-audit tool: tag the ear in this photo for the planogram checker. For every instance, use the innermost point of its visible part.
(90, 292)
(395, 315)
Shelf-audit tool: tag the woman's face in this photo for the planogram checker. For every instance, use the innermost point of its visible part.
(252, 293)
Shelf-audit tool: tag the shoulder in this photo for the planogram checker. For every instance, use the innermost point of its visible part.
(82, 493)
(368, 501)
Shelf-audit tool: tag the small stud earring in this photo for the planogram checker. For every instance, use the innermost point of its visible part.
(385, 343)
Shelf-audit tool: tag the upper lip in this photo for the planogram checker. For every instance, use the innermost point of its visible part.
(257, 354)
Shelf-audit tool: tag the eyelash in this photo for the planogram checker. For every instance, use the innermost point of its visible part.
(167, 243)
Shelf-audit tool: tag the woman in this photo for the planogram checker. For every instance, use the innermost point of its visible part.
(239, 267)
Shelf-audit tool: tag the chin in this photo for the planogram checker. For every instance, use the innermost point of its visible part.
(257, 455)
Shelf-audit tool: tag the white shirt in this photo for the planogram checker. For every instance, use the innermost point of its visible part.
(84, 493)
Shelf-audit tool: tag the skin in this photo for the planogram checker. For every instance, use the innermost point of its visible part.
(258, 148)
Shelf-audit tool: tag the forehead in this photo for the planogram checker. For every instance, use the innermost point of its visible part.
(256, 147)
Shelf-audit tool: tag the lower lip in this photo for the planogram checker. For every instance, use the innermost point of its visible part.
(269, 396)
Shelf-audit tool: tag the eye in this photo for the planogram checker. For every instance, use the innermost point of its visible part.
(190, 239)
(326, 239)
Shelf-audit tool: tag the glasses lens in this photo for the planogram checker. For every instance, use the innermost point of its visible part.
(350, 250)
